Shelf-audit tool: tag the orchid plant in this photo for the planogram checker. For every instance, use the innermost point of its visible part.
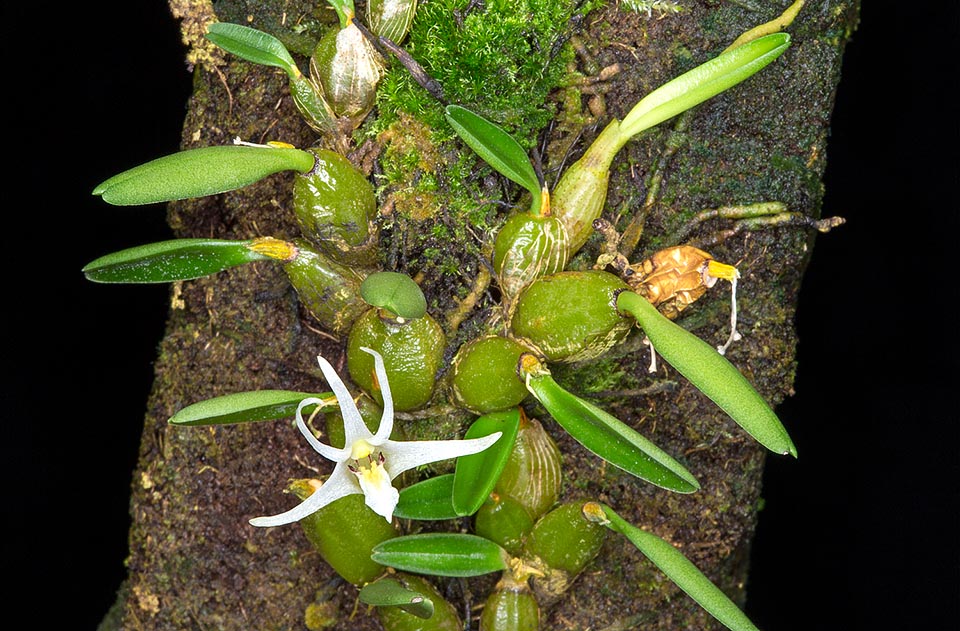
(368, 463)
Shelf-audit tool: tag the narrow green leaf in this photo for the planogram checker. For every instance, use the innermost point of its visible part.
(703, 82)
(711, 373)
(252, 45)
(388, 592)
(395, 292)
(442, 554)
(477, 474)
(496, 147)
(611, 439)
(168, 261)
(200, 172)
(682, 572)
(245, 407)
(430, 499)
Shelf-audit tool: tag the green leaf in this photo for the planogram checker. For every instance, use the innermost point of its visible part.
(252, 45)
(388, 592)
(711, 373)
(245, 407)
(430, 499)
(394, 292)
(703, 82)
(442, 554)
(200, 172)
(496, 147)
(614, 441)
(682, 572)
(168, 261)
(477, 474)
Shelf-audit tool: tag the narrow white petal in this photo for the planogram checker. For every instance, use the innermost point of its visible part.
(401, 456)
(340, 484)
(353, 425)
(328, 452)
(386, 419)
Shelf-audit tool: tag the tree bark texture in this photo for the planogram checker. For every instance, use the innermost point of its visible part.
(196, 563)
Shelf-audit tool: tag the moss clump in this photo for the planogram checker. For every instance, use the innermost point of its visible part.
(509, 54)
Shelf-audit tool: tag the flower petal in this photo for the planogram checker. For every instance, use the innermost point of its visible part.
(386, 419)
(328, 452)
(401, 456)
(378, 493)
(340, 484)
(353, 425)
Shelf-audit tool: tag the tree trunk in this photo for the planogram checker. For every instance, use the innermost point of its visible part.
(195, 562)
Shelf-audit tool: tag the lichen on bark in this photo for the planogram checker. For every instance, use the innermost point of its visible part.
(194, 560)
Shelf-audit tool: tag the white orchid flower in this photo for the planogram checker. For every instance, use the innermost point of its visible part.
(368, 463)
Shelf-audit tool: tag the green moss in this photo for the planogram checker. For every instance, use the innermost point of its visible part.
(508, 59)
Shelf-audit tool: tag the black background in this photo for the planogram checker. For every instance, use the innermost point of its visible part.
(859, 533)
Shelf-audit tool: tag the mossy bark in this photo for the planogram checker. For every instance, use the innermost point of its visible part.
(194, 560)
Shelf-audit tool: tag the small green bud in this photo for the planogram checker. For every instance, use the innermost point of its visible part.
(485, 377)
(328, 290)
(412, 353)
(571, 316)
(336, 209)
(345, 532)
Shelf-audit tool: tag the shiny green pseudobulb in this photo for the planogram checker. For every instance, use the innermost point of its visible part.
(511, 606)
(412, 353)
(504, 521)
(485, 376)
(336, 209)
(534, 471)
(391, 18)
(344, 533)
(571, 316)
(328, 290)
(564, 541)
(526, 248)
(348, 68)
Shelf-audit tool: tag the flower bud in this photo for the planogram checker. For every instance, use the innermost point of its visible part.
(336, 208)
(571, 316)
(412, 353)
